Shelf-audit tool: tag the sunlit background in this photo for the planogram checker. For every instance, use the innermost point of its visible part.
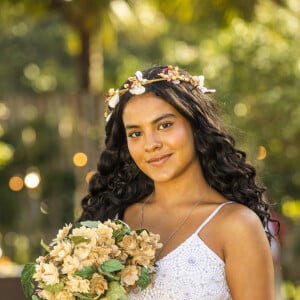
(57, 60)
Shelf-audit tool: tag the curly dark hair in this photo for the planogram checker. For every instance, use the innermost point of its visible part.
(118, 182)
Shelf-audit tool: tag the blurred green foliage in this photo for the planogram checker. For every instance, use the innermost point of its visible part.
(248, 51)
(28, 63)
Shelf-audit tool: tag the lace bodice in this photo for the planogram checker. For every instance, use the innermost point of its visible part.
(192, 271)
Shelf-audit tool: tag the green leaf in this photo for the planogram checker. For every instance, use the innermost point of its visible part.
(139, 231)
(90, 224)
(112, 265)
(144, 278)
(34, 297)
(86, 272)
(108, 275)
(116, 292)
(118, 235)
(27, 280)
(45, 246)
(125, 226)
(79, 239)
(54, 287)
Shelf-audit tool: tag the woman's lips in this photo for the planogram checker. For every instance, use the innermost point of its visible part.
(159, 160)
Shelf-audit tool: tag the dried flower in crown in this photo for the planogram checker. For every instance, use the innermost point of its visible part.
(136, 86)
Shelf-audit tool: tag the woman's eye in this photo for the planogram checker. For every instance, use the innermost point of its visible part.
(134, 134)
(165, 125)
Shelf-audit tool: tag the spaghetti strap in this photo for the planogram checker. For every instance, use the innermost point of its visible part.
(212, 215)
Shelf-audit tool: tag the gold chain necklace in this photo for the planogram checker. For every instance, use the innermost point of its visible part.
(176, 229)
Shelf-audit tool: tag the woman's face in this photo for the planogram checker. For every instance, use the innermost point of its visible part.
(160, 140)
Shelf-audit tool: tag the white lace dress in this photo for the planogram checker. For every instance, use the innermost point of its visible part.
(192, 271)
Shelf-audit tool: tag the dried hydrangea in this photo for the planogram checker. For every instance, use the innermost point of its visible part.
(93, 261)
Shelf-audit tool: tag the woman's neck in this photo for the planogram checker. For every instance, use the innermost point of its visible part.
(181, 191)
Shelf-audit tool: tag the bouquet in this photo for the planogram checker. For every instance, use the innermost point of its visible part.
(92, 260)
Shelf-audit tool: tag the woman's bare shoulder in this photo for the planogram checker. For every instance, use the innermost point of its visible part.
(247, 254)
(132, 215)
(242, 229)
(238, 218)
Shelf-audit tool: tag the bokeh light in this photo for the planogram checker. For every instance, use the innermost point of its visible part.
(240, 109)
(28, 135)
(4, 111)
(261, 153)
(291, 209)
(21, 246)
(32, 71)
(16, 183)
(2, 131)
(44, 208)
(32, 180)
(65, 127)
(89, 176)
(80, 159)
(6, 153)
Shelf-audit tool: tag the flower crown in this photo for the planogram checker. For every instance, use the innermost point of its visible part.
(136, 86)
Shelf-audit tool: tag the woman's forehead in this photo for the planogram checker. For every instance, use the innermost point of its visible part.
(146, 108)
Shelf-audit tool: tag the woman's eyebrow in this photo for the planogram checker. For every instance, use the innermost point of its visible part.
(156, 120)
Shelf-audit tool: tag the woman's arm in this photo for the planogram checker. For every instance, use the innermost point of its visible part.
(248, 258)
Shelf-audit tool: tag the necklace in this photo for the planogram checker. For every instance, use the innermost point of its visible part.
(183, 221)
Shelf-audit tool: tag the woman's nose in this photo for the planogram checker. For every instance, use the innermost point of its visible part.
(152, 142)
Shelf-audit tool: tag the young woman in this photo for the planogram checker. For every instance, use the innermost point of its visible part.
(169, 166)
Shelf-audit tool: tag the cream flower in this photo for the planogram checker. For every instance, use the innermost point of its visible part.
(40, 259)
(145, 237)
(137, 90)
(100, 254)
(114, 100)
(98, 284)
(105, 235)
(82, 251)
(142, 260)
(76, 284)
(43, 294)
(48, 273)
(115, 251)
(61, 250)
(155, 239)
(122, 257)
(149, 238)
(129, 242)
(107, 116)
(65, 294)
(85, 253)
(89, 233)
(148, 250)
(70, 265)
(129, 275)
(113, 225)
(62, 233)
